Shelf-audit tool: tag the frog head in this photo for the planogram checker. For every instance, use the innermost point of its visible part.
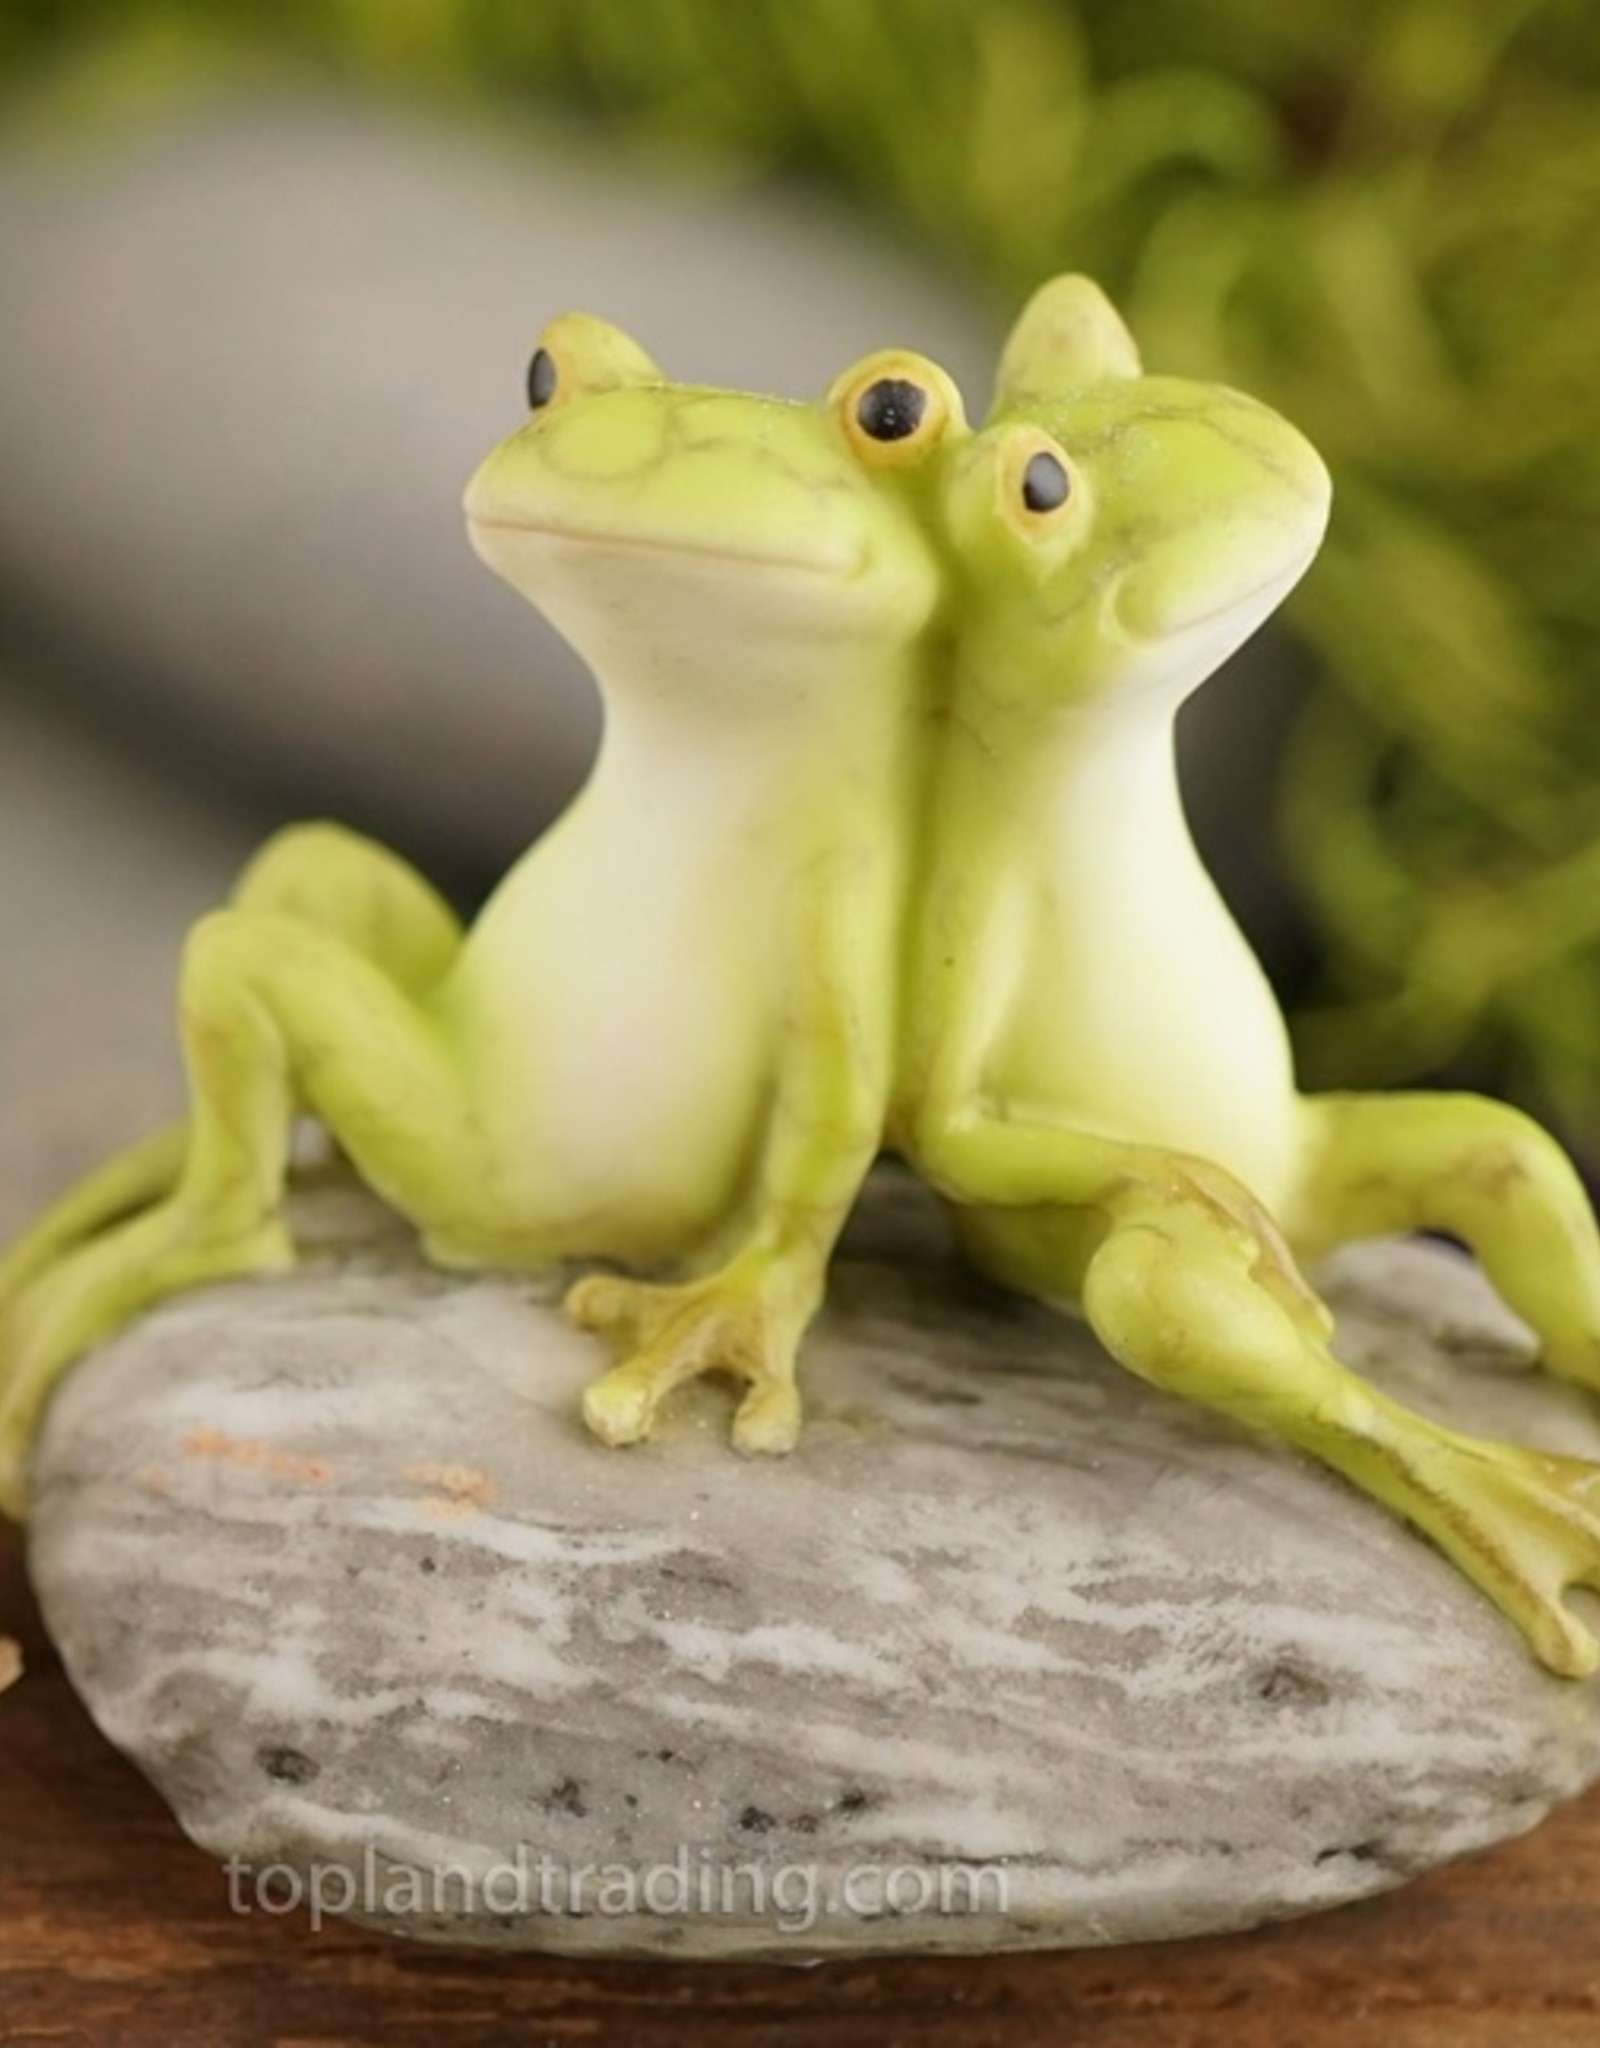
(699, 541)
(1116, 536)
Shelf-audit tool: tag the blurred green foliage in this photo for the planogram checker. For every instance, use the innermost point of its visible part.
(1384, 219)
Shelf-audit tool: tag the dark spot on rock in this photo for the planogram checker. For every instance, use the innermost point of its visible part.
(567, 1797)
(666, 1756)
(427, 1564)
(807, 1824)
(631, 1800)
(1287, 1683)
(1357, 1852)
(755, 1822)
(288, 1766)
(853, 1801)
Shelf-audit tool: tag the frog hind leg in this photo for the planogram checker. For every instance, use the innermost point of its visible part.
(339, 882)
(277, 1018)
(331, 880)
(1169, 1297)
(1476, 1169)
(130, 1180)
(1188, 1284)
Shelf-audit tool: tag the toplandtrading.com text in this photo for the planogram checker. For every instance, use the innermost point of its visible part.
(789, 1897)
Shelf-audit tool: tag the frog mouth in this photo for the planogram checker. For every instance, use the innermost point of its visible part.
(836, 559)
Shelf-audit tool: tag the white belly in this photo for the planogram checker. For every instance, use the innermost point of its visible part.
(621, 1036)
(1157, 1028)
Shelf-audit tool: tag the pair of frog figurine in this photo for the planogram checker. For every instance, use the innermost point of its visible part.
(883, 850)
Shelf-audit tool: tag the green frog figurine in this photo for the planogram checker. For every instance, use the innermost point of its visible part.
(883, 851)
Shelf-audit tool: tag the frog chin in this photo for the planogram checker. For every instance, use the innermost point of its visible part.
(1175, 647)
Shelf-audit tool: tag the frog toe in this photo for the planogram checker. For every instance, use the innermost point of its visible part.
(1529, 1522)
(612, 1306)
(676, 1333)
(769, 1418)
(620, 1406)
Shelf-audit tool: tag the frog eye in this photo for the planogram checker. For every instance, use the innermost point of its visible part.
(891, 408)
(542, 379)
(578, 356)
(894, 407)
(1040, 482)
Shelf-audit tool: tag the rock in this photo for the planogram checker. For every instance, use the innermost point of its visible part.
(1012, 1652)
(10, 1662)
(252, 355)
(102, 868)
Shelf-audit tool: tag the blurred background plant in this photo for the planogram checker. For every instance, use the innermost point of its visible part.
(1385, 220)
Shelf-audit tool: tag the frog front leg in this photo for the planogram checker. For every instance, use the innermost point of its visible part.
(328, 878)
(747, 1316)
(277, 1019)
(1476, 1169)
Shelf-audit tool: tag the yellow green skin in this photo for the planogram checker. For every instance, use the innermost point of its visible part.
(1095, 1071)
(884, 847)
(667, 1042)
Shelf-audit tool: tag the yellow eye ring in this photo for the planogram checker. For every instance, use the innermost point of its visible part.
(894, 407)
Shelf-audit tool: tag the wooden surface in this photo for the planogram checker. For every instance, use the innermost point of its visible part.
(114, 1932)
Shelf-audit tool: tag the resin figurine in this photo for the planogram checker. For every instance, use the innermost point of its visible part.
(883, 851)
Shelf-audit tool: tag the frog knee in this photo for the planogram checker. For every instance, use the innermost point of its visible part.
(298, 857)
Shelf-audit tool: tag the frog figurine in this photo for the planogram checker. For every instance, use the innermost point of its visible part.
(884, 848)
(667, 1041)
(1090, 1039)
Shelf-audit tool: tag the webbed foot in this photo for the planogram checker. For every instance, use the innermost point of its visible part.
(746, 1320)
(1525, 1525)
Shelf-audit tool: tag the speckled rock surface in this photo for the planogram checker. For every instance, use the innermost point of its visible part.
(1013, 1651)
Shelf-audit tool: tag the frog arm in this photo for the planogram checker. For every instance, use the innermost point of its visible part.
(747, 1316)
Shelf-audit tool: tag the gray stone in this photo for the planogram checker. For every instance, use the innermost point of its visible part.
(252, 355)
(332, 1558)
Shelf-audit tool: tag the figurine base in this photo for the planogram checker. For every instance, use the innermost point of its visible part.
(1013, 1652)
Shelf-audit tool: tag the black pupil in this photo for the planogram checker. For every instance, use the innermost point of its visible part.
(541, 379)
(1045, 483)
(891, 408)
